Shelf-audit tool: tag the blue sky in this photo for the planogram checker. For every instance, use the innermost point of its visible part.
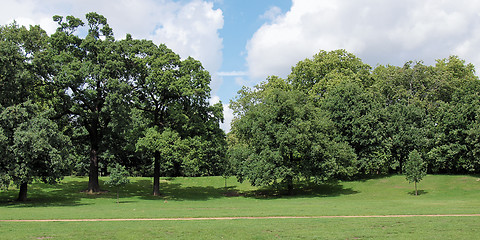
(241, 42)
(241, 21)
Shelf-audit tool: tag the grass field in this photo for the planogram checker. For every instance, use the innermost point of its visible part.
(207, 197)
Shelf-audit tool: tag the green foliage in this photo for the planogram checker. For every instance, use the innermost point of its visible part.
(359, 117)
(22, 76)
(326, 70)
(280, 135)
(456, 132)
(32, 147)
(382, 114)
(172, 98)
(166, 143)
(415, 168)
(118, 176)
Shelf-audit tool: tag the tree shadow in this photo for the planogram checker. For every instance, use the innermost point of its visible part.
(302, 190)
(178, 192)
(63, 194)
(71, 193)
(420, 192)
(477, 176)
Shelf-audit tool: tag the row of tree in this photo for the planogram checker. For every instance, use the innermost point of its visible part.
(336, 117)
(80, 105)
(75, 105)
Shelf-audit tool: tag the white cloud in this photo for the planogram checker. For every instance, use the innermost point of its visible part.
(188, 28)
(232, 74)
(272, 13)
(228, 117)
(227, 114)
(379, 32)
(214, 100)
(193, 31)
(240, 81)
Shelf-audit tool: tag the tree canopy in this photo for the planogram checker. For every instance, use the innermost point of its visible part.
(282, 135)
(80, 101)
(108, 95)
(374, 118)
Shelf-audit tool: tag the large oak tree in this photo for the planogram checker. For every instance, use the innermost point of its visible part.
(91, 73)
(172, 96)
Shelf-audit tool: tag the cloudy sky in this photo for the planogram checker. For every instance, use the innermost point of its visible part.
(241, 42)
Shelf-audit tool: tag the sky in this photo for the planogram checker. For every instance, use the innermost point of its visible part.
(241, 42)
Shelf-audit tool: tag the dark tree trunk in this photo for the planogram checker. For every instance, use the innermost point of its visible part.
(289, 181)
(22, 195)
(93, 185)
(156, 174)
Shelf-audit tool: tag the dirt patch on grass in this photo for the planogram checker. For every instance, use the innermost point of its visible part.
(236, 218)
(95, 193)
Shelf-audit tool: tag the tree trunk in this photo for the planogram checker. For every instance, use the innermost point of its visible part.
(289, 181)
(156, 174)
(117, 197)
(416, 192)
(22, 195)
(93, 185)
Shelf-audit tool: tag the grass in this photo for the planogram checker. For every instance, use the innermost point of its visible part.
(207, 197)
(402, 228)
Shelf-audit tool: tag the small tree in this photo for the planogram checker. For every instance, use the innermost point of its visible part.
(415, 168)
(118, 177)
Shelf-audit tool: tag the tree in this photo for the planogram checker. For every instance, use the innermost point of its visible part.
(91, 74)
(282, 135)
(118, 177)
(32, 147)
(166, 143)
(326, 69)
(172, 96)
(415, 168)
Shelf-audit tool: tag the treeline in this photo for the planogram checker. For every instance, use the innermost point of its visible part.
(76, 105)
(336, 117)
(79, 105)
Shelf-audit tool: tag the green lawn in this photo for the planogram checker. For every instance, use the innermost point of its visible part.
(207, 197)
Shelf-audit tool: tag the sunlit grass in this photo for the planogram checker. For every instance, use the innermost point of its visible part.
(207, 197)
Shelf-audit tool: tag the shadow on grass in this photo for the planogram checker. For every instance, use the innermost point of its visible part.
(302, 190)
(174, 191)
(70, 193)
(45, 195)
(420, 192)
(178, 192)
